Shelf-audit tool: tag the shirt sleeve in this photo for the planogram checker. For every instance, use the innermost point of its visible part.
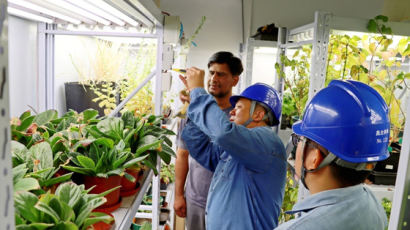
(200, 147)
(252, 147)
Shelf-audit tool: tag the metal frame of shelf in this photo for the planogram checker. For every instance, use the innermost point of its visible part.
(46, 38)
(124, 215)
(322, 26)
(247, 58)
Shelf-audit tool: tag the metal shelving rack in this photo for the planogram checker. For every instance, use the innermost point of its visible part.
(247, 58)
(46, 37)
(320, 30)
(125, 214)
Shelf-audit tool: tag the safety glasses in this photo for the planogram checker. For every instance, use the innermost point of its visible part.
(295, 139)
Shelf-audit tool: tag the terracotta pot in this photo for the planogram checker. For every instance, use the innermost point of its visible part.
(61, 172)
(102, 185)
(128, 185)
(102, 225)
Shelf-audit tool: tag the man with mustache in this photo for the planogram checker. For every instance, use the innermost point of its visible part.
(224, 70)
(245, 154)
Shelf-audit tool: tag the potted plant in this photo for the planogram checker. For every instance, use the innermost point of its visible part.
(102, 163)
(71, 207)
(36, 162)
(167, 175)
(116, 70)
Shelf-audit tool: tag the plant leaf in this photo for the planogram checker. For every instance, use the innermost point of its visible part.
(86, 162)
(26, 184)
(146, 143)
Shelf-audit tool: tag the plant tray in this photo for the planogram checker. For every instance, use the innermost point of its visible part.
(391, 164)
(384, 178)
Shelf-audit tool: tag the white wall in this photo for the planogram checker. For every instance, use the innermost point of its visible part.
(23, 66)
(70, 51)
(221, 31)
(263, 69)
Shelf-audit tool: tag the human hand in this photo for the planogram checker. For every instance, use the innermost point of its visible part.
(180, 206)
(184, 96)
(194, 78)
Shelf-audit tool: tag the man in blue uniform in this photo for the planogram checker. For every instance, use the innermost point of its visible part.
(191, 179)
(246, 156)
(344, 131)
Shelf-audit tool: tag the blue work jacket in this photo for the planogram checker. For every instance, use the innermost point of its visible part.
(353, 207)
(249, 167)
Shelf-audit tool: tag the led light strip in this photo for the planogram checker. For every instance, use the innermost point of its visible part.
(131, 11)
(97, 11)
(79, 11)
(108, 8)
(27, 15)
(43, 10)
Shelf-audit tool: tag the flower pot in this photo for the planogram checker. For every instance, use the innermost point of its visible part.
(79, 97)
(164, 216)
(61, 172)
(128, 185)
(102, 185)
(102, 225)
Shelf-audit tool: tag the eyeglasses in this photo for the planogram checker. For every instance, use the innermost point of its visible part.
(295, 139)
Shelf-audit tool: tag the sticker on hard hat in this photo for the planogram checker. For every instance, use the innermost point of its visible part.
(382, 132)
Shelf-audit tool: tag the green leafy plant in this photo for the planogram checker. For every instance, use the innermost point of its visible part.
(20, 183)
(36, 162)
(116, 70)
(387, 204)
(289, 199)
(70, 208)
(372, 59)
(100, 158)
(167, 173)
(296, 78)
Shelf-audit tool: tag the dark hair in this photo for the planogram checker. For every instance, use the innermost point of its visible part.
(222, 57)
(346, 176)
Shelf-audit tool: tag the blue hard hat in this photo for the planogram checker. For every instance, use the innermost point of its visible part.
(264, 94)
(350, 119)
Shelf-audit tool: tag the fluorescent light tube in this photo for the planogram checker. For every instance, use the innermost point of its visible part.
(108, 8)
(43, 10)
(27, 15)
(79, 11)
(131, 11)
(97, 11)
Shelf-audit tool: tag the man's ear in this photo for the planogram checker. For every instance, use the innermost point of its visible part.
(313, 158)
(235, 79)
(258, 114)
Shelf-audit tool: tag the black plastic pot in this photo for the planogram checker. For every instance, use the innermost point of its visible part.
(79, 97)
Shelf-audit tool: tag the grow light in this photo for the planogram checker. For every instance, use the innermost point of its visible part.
(80, 11)
(302, 36)
(43, 10)
(27, 15)
(131, 11)
(96, 10)
(108, 8)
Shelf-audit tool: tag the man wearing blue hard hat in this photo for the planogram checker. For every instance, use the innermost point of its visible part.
(344, 132)
(246, 156)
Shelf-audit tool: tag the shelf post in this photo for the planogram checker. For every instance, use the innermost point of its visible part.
(6, 172)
